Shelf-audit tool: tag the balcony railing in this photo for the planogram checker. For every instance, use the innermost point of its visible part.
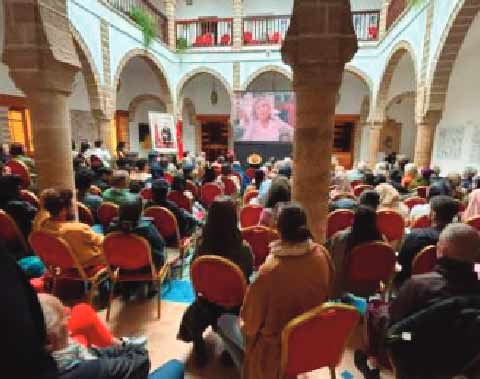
(204, 32)
(126, 6)
(395, 9)
(265, 29)
(366, 25)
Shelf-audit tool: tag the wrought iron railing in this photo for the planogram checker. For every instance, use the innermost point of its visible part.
(265, 29)
(366, 24)
(204, 32)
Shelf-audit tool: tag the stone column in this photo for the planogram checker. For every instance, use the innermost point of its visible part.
(170, 6)
(237, 24)
(357, 142)
(374, 133)
(383, 18)
(319, 42)
(4, 130)
(107, 132)
(425, 138)
(43, 64)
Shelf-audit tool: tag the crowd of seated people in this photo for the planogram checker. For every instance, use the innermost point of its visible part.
(297, 275)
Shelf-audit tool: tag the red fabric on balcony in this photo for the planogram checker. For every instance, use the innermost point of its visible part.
(225, 40)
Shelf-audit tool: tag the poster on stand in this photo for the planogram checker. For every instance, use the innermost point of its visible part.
(163, 132)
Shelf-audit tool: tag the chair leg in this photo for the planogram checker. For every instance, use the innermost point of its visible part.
(110, 299)
(333, 374)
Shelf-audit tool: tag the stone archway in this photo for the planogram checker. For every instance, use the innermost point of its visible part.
(267, 69)
(450, 43)
(156, 67)
(132, 108)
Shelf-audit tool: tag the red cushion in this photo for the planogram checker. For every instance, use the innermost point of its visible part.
(164, 220)
(146, 193)
(250, 215)
(126, 251)
(180, 199)
(339, 220)
(259, 239)
(411, 202)
(422, 222)
(391, 224)
(209, 192)
(225, 40)
(249, 196)
(106, 212)
(230, 187)
(247, 37)
(19, 168)
(425, 261)
(52, 250)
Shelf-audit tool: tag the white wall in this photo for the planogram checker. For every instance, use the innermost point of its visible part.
(270, 81)
(199, 88)
(137, 79)
(206, 8)
(352, 92)
(79, 99)
(364, 5)
(460, 125)
(403, 79)
(404, 113)
(267, 7)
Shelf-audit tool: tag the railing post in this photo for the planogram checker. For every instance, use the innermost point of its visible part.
(237, 27)
(383, 19)
(171, 32)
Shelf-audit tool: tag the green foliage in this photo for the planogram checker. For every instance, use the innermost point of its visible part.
(182, 44)
(146, 24)
(414, 3)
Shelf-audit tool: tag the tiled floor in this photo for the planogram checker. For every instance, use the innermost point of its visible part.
(139, 318)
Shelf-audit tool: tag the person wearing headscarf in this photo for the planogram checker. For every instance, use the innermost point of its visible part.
(390, 198)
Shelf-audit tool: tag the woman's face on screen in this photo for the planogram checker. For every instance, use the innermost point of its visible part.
(263, 110)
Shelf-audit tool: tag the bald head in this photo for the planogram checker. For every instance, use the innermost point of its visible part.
(460, 242)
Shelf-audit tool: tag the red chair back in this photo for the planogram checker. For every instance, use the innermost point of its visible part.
(19, 168)
(164, 220)
(249, 196)
(127, 251)
(85, 214)
(168, 177)
(357, 191)
(53, 250)
(250, 173)
(301, 352)
(230, 187)
(250, 215)
(391, 224)
(247, 37)
(29, 197)
(369, 264)
(181, 200)
(106, 212)
(11, 234)
(355, 183)
(146, 194)
(474, 222)
(218, 280)
(339, 220)
(192, 187)
(225, 40)
(422, 222)
(425, 261)
(259, 239)
(412, 201)
(208, 193)
(422, 192)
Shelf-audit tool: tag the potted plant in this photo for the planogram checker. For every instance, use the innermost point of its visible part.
(146, 24)
(182, 44)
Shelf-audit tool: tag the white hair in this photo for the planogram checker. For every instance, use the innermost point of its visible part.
(411, 168)
(362, 165)
(51, 313)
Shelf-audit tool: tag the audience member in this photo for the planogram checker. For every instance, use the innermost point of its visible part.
(209, 176)
(17, 152)
(364, 229)
(100, 153)
(119, 192)
(420, 210)
(454, 182)
(421, 181)
(443, 210)
(85, 243)
(222, 237)
(102, 179)
(467, 178)
(131, 221)
(295, 278)
(369, 178)
(390, 198)
(410, 174)
(83, 182)
(226, 172)
(473, 207)
(279, 193)
(357, 173)
(396, 181)
(369, 198)
(142, 173)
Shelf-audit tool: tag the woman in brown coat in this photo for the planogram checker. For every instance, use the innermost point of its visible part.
(296, 277)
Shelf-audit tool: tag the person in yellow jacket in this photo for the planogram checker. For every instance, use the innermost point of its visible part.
(85, 243)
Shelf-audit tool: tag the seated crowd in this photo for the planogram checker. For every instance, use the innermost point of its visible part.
(213, 205)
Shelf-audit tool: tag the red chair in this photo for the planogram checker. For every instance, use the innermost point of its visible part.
(247, 38)
(369, 266)
(181, 200)
(259, 239)
(301, 352)
(218, 280)
(106, 212)
(422, 192)
(474, 222)
(225, 40)
(167, 226)
(357, 191)
(208, 193)
(192, 187)
(275, 38)
(11, 235)
(230, 187)
(250, 173)
(355, 183)
(62, 264)
(391, 224)
(168, 177)
(422, 222)
(19, 168)
(425, 261)
(345, 195)
(252, 194)
(412, 201)
(339, 220)
(250, 215)
(146, 194)
(372, 32)
(85, 214)
(209, 40)
(29, 197)
(132, 253)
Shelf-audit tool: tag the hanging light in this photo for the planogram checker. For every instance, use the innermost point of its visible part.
(214, 94)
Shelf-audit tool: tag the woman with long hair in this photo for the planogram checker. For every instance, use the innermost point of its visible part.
(364, 229)
(221, 237)
(280, 192)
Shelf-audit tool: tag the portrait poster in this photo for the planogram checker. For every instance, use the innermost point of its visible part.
(162, 132)
(264, 116)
